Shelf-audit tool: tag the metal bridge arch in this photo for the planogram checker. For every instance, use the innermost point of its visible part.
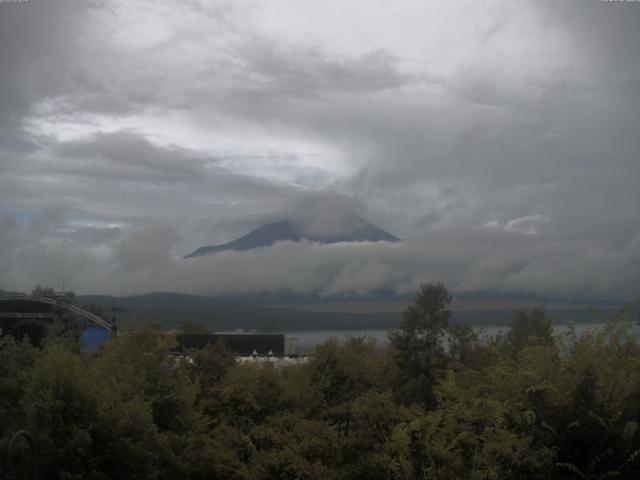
(60, 304)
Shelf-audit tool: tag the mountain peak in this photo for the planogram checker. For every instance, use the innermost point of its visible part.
(353, 229)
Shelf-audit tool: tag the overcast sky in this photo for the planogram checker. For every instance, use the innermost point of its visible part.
(499, 139)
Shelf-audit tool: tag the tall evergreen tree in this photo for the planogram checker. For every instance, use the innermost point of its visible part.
(419, 340)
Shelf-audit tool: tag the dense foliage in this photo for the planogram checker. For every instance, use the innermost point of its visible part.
(521, 406)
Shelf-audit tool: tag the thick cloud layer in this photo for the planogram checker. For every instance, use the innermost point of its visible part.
(112, 260)
(500, 140)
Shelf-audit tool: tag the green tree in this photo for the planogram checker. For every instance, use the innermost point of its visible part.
(462, 342)
(341, 372)
(418, 342)
(16, 364)
(140, 362)
(364, 450)
(291, 447)
(528, 328)
(212, 363)
(84, 426)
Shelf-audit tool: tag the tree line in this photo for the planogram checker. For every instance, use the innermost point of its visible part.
(522, 405)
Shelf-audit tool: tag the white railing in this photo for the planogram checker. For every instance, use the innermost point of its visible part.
(67, 306)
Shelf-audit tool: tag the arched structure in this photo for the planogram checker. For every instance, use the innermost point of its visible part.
(27, 311)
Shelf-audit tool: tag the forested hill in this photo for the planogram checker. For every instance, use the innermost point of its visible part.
(171, 309)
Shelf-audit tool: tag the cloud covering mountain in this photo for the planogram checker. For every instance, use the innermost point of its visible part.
(499, 140)
(340, 228)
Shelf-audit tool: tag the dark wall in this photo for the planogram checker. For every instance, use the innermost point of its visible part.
(24, 306)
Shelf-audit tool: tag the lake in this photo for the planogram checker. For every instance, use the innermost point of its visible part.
(307, 339)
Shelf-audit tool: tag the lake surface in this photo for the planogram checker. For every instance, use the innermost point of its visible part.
(308, 339)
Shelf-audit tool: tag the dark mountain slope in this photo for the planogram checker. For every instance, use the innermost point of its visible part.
(171, 309)
(359, 230)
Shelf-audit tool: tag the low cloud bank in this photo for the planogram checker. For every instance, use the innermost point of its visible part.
(110, 260)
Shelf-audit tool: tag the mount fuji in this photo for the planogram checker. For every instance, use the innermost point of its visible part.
(352, 229)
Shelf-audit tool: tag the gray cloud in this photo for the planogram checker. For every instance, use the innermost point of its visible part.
(467, 259)
(133, 152)
(500, 141)
(308, 72)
